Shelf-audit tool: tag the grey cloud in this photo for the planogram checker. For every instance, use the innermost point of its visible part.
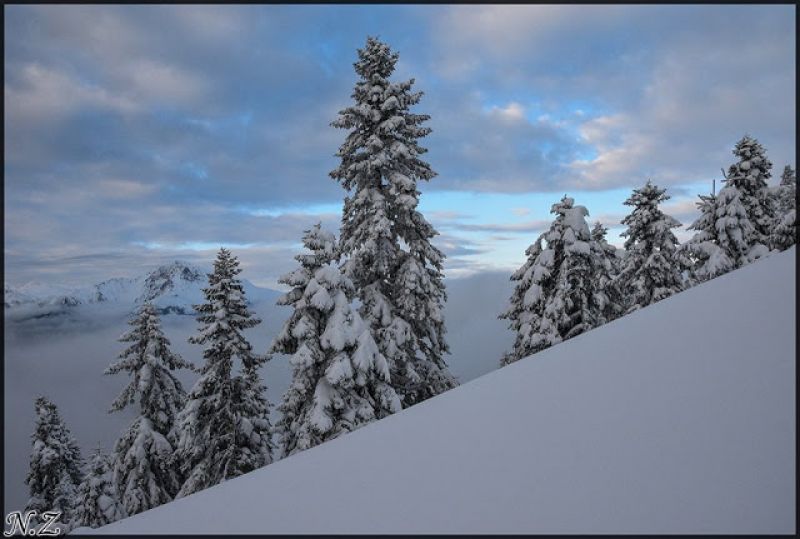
(155, 123)
(454, 246)
(85, 228)
(502, 151)
(669, 89)
(697, 104)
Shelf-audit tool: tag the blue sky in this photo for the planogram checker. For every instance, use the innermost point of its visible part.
(135, 135)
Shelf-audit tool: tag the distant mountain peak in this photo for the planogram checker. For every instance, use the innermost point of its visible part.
(170, 278)
(174, 288)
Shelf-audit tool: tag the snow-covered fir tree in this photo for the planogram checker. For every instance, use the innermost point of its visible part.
(787, 190)
(784, 233)
(98, 502)
(599, 236)
(736, 234)
(556, 296)
(55, 465)
(340, 380)
(707, 258)
(254, 446)
(223, 431)
(148, 361)
(652, 267)
(65, 502)
(386, 241)
(750, 175)
(144, 471)
(605, 266)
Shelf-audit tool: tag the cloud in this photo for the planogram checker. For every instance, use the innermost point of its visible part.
(49, 229)
(513, 112)
(683, 209)
(527, 226)
(504, 32)
(121, 52)
(117, 188)
(40, 93)
(496, 148)
(210, 22)
(159, 123)
(156, 82)
(448, 215)
(655, 91)
(696, 104)
(455, 246)
(607, 219)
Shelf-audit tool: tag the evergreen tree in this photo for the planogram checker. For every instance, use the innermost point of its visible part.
(784, 233)
(98, 503)
(254, 447)
(396, 270)
(55, 465)
(707, 259)
(65, 502)
(148, 360)
(736, 234)
(750, 175)
(652, 267)
(144, 471)
(787, 191)
(605, 266)
(599, 236)
(556, 297)
(223, 431)
(340, 380)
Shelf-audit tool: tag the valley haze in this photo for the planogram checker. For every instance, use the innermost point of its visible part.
(61, 350)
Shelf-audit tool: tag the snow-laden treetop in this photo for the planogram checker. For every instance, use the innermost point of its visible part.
(752, 170)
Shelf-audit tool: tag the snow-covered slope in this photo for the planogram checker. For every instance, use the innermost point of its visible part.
(173, 288)
(677, 418)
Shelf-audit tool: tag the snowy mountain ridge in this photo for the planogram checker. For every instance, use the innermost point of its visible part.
(172, 288)
(172, 280)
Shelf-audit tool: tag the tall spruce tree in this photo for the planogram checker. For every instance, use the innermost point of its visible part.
(55, 465)
(396, 270)
(707, 259)
(784, 233)
(652, 268)
(144, 470)
(750, 175)
(556, 296)
(340, 380)
(98, 502)
(223, 431)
